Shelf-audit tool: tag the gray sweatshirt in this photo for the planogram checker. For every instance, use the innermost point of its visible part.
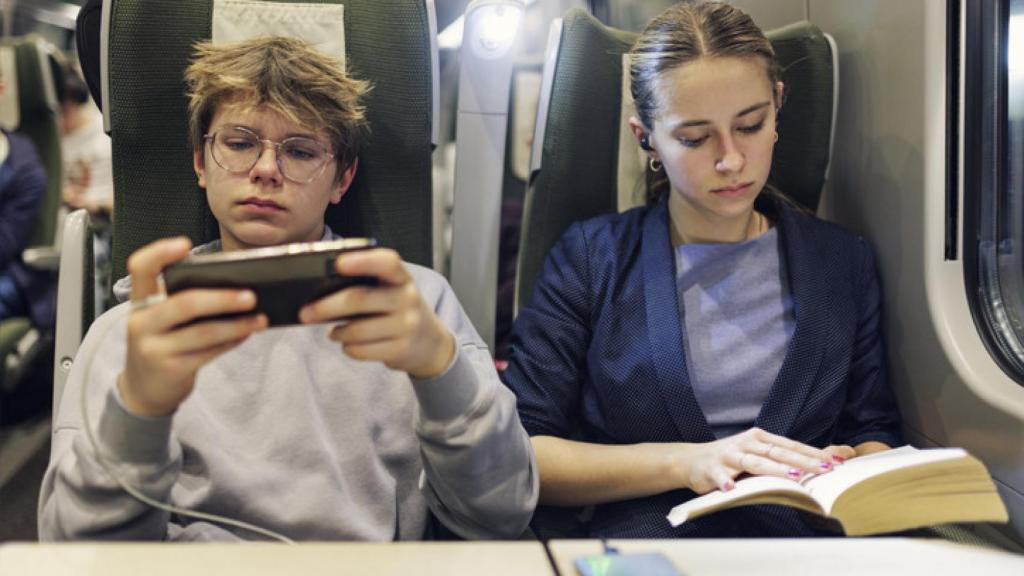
(288, 433)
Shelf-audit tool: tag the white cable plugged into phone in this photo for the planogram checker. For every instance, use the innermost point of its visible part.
(138, 495)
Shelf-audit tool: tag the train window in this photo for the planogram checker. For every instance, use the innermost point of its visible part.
(993, 176)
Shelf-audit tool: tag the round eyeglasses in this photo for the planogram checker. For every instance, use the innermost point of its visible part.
(237, 149)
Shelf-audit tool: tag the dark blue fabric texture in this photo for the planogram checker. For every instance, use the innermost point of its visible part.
(597, 356)
(21, 194)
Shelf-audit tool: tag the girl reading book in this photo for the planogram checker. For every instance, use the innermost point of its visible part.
(719, 330)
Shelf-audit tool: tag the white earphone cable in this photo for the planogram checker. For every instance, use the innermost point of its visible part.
(139, 495)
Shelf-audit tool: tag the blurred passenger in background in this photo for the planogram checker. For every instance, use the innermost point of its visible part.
(22, 187)
(88, 172)
(85, 148)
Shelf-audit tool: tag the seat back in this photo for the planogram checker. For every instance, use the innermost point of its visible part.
(148, 45)
(35, 115)
(576, 142)
(810, 71)
(587, 164)
(144, 48)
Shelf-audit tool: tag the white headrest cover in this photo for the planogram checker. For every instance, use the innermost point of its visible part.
(322, 25)
(527, 98)
(632, 160)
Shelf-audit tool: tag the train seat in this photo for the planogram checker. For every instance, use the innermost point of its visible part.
(585, 161)
(32, 109)
(145, 46)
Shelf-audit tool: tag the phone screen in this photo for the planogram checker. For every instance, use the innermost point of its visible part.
(648, 564)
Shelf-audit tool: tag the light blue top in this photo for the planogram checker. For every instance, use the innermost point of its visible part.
(737, 318)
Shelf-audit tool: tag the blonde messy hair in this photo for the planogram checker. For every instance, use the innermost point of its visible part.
(285, 75)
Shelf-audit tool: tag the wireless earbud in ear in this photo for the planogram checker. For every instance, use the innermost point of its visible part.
(645, 142)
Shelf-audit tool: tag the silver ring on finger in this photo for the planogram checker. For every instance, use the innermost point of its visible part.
(768, 453)
(745, 454)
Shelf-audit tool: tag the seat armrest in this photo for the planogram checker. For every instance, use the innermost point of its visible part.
(41, 258)
(75, 271)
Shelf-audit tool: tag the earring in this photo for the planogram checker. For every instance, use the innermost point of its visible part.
(654, 164)
(645, 142)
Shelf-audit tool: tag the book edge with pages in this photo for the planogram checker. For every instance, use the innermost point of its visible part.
(891, 491)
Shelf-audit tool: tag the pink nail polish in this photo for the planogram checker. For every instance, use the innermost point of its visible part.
(825, 465)
(838, 459)
(794, 473)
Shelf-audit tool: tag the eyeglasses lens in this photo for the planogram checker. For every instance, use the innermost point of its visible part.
(238, 150)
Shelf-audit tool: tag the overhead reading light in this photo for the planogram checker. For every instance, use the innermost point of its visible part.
(494, 30)
(498, 29)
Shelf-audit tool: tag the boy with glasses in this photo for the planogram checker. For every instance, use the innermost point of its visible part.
(326, 431)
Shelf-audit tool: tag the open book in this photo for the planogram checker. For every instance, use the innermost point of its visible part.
(887, 491)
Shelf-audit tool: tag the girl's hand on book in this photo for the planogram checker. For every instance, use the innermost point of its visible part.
(717, 464)
(840, 453)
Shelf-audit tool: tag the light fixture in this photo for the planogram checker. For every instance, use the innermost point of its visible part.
(451, 37)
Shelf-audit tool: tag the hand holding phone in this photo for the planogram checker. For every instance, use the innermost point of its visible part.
(284, 278)
(165, 346)
(389, 322)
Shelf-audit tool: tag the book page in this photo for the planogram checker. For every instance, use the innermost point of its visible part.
(825, 488)
(816, 493)
(759, 489)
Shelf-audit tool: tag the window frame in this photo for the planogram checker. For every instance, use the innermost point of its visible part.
(988, 242)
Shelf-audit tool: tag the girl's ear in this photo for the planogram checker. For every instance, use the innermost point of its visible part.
(643, 137)
(780, 94)
(637, 128)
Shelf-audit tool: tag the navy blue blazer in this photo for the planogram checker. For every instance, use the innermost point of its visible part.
(22, 193)
(597, 355)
